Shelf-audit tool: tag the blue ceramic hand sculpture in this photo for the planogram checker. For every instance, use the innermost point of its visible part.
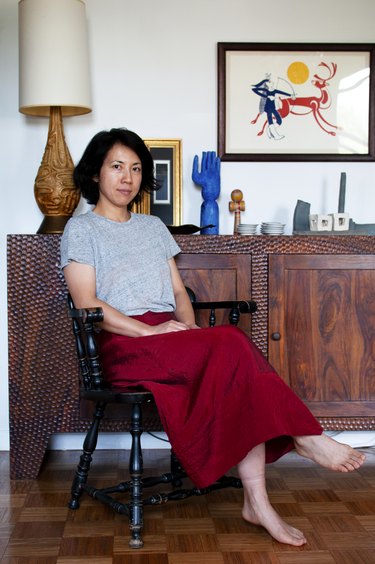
(209, 179)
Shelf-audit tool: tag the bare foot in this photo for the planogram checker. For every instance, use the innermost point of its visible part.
(260, 512)
(329, 453)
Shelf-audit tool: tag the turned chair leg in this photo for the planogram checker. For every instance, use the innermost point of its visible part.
(84, 464)
(176, 470)
(135, 472)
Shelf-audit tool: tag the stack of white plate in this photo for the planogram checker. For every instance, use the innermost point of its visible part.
(247, 228)
(272, 228)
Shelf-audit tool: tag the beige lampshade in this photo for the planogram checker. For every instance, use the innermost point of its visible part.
(53, 57)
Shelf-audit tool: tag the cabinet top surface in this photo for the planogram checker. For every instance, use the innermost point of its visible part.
(238, 244)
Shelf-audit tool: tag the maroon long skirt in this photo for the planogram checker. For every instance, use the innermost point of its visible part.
(216, 394)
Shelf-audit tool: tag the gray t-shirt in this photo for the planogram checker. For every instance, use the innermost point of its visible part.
(130, 259)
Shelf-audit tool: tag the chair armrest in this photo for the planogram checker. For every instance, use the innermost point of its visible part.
(86, 314)
(236, 307)
(243, 306)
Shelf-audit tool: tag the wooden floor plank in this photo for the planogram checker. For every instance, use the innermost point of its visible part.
(316, 557)
(196, 558)
(353, 556)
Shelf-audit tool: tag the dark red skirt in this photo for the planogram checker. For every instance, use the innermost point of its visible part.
(217, 396)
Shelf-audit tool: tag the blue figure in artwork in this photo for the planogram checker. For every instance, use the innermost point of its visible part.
(265, 89)
(209, 179)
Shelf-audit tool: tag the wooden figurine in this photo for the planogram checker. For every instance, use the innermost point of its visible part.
(237, 205)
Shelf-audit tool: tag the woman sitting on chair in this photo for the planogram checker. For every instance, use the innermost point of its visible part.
(220, 401)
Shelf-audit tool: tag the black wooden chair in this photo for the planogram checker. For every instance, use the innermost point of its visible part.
(93, 387)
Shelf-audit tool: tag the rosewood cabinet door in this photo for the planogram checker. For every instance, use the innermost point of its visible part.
(218, 277)
(322, 331)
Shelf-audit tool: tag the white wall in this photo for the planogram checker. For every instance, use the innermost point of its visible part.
(154, 71)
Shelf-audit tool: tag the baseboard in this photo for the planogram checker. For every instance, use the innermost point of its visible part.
(74, 441)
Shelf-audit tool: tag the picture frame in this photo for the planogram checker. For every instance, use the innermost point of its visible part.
(166, 203)
(296, 102)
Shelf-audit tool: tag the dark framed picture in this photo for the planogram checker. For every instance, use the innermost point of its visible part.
(166, 202)
(296, 102)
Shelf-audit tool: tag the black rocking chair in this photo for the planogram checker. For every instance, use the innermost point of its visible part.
(93, 387)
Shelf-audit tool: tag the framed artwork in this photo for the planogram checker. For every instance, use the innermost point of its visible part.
(166, 202)
(296, 102)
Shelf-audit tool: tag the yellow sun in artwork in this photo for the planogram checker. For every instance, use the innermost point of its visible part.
(298, 72)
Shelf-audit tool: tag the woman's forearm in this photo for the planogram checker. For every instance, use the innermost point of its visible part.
(184, 310)
(116, 322)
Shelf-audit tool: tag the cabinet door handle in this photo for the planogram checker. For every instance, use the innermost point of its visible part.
(275, 336)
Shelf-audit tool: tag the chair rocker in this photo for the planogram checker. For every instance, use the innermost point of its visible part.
(94, 388)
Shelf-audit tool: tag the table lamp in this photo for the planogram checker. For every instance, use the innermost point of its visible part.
(54, 82)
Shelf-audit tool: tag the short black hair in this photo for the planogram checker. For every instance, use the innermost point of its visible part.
(95, 153)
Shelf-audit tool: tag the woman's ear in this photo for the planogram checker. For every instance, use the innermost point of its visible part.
(95, 178)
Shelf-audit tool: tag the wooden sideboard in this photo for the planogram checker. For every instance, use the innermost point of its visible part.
(315, 322)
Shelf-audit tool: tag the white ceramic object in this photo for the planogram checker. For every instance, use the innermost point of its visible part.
(272, 228)
(320, 222)
(340, 221)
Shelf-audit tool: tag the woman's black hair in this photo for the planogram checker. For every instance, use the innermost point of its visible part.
(95, 153)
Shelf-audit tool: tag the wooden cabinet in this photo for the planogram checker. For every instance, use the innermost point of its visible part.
(322, 331)
(316, 292)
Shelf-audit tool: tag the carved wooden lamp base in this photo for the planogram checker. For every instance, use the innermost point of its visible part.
(54, 188)
(53, 224)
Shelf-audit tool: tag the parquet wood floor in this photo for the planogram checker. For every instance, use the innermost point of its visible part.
(336, 512)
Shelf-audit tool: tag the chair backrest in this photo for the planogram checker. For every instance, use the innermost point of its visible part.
(84, 321)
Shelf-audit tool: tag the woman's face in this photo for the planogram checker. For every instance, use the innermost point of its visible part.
(120, 177)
